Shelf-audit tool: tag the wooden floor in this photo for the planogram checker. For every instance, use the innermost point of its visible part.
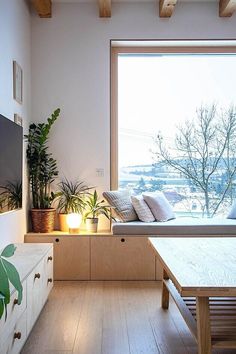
(109, 318)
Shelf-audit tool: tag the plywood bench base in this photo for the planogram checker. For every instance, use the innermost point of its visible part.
(222, 313)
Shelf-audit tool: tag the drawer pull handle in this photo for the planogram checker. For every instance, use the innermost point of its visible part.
(50, 258)
(17, 335)
(37, 276)
(122, 240)
(50, 280)
(15, 302)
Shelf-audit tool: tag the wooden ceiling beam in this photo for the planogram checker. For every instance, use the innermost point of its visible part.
(43, 8)
(104, 8)
(227, 8)
(166, 7)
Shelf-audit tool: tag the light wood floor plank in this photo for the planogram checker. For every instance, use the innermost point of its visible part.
(141, 339)
(57, 325)
(110, 318)
(114, 334)
(164, 329)
(89, 332)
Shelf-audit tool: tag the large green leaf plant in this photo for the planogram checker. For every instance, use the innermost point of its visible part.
(42, 166)
(8, 274)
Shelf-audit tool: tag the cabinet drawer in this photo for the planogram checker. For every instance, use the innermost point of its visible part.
(14, 311)
(47, 281)
(34, 294)
(71, 256)
(16, 338)
(122, 258)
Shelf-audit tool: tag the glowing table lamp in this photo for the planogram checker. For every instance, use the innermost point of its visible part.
(74, 221)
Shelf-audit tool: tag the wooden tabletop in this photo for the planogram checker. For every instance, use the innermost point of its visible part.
(199, 266)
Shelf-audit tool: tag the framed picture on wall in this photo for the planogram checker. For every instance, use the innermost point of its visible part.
(17, 82)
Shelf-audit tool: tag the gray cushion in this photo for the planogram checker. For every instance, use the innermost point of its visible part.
(124, 209)
(180, 226)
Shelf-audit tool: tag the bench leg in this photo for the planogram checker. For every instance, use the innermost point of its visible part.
(203, 325)
(165, 292)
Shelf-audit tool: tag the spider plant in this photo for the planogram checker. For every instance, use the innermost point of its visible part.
(11, 195)
(71, 196)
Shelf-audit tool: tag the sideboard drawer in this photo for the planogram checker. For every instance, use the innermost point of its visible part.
(16, 338)
(14, 311)
(34, 294)
(47, 284)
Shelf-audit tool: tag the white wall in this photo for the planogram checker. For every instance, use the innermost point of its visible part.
(70, 69)
(15, 33)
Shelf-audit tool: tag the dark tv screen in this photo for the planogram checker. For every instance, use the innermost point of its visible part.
(11, 141)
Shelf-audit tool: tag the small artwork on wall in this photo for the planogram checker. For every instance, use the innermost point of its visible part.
(18, 120)
(17, 82)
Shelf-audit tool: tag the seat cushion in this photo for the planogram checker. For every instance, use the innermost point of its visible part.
(179, 227)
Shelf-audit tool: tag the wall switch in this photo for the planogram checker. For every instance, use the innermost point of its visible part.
(100, 172)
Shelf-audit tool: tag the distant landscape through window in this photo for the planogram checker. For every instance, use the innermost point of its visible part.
(177, 129)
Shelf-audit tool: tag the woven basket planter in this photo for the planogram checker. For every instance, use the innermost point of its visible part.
(43, 220)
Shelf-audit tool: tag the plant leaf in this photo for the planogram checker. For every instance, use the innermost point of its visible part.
(2, 298)
(14, 278)
(5, 289)
(8, 251)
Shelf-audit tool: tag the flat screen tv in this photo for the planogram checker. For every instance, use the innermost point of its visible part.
(11, 144)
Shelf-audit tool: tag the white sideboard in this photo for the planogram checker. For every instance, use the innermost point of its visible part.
(34, 263)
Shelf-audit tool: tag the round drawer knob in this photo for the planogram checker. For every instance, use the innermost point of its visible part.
(17, 335)
(122, 240)
(37, 276)
(15, 302)
(57, 239)
(50, 280)
(50, 258)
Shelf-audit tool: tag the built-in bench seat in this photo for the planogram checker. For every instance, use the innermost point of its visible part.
(179, 227)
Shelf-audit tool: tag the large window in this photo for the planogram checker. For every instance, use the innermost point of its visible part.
(176, 128)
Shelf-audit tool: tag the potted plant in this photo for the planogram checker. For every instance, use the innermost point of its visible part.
(42, 172)
(11, 196)
(8, 274)
(94, 208)
(70, 198)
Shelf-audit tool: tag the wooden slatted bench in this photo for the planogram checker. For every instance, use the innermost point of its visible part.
(200, 275)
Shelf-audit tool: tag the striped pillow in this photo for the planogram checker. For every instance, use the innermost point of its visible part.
(120, 200)
(142, 209)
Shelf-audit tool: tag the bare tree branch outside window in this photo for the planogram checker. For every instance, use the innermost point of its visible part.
(204, 152)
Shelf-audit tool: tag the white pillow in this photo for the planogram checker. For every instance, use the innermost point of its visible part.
(159, 205)
(142, 209)
(232, 213)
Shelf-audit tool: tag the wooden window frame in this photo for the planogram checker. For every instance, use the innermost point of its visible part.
(115, 51)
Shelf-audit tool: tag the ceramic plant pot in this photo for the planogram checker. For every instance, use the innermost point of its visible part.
(63, 226)
(92, 224)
